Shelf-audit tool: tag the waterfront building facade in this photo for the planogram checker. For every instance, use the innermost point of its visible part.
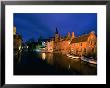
(82, 45)
(50, 46)
(17, 42)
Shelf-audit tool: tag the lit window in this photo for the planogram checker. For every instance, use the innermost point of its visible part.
(85, 50)
(81, 44)
(94, 43)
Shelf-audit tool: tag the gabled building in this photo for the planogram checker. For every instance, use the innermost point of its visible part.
(61, 44)
(84, 45)
(17, 42)
(50, 45)
(81, 45)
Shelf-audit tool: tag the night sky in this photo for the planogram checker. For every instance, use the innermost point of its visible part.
(34, 25)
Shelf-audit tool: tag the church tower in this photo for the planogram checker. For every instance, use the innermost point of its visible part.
(56, 35)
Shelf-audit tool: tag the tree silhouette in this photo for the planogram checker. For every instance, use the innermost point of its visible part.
(31, 44)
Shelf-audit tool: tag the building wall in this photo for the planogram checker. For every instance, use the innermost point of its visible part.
(91, 48)
(84, 48)
(17, 43)
(61, 47)
(78, 48)
(49, 46)
(65, 47)
(17, 40)
(81, 48)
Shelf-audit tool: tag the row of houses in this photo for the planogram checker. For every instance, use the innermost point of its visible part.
(81, 45)
(17, 43)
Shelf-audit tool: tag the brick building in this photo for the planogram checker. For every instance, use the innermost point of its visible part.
(81, 45)
(84, 45)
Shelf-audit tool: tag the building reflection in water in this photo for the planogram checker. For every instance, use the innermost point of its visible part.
(59, 61)
(48, 57)
(43, 56)
(69, 66)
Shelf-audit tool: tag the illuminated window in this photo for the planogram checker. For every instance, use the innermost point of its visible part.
(85, 50)
(81, 44)
(94, 43)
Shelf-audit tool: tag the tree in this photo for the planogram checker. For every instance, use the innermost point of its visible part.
(31, 44)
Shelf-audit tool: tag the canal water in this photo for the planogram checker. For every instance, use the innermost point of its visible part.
(35, 63)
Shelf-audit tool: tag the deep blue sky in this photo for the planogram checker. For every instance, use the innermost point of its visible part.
(32, 25)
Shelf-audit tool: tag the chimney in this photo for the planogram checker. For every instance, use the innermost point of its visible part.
(92, 32)
(73, 35)
(68, 34)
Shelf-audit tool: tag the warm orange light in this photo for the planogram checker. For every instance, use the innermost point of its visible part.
(19, 47)
(43, 56)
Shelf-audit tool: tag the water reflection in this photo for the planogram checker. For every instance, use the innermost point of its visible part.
(17, 57)
(69, 66)
(43, 56)
(38, 61)
(48, 57)
(61, 61)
